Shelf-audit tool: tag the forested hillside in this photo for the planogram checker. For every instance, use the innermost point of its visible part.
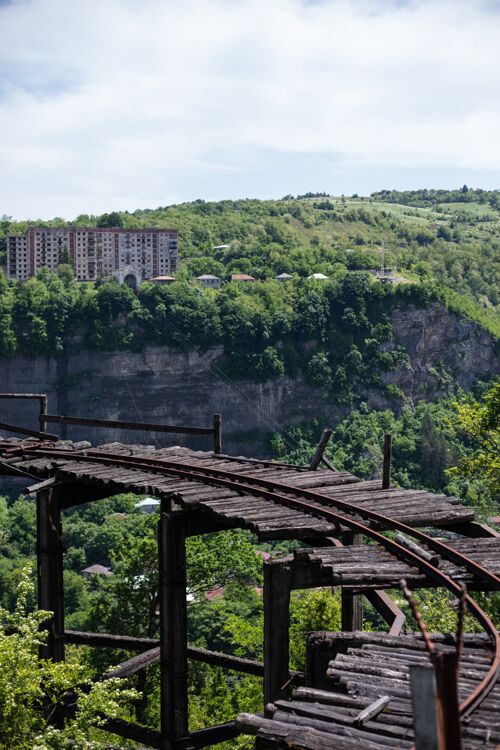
(451, 237)
(445, 246)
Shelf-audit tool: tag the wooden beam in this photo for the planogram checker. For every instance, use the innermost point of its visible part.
(108, 640)
(130, 643)
(212, 735)
(23, 395)
(446, 667)
(50, 571)
(417, 549)
(386, 472)
(10, 469)
(352, 604)
(173, 628)
(120, 425)
(45, 485)
(277, 588)
(371, 711)
(135, 664)
(201, 522)
(42, 412)
(131, 731)
(26, 431)
(388, 609)
(318, 455)
(50, 579)
(217, 433)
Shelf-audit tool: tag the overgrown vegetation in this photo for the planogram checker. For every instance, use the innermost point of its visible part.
(30, 687)
(449, 446)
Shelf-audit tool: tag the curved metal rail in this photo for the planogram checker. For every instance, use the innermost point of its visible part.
(273, 491)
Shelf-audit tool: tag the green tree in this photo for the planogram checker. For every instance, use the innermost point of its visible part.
(29, 686)
(479, 422)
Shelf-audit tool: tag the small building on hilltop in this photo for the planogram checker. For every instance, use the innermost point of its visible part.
(162, 280)
(318, 276)
(242, 277)
(148, 505)
(209, 281)
(283, 277)
(96, 570)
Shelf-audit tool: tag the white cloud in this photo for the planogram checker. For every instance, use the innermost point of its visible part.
(117, 104)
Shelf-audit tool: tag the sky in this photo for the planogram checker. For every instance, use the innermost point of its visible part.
(118, 105)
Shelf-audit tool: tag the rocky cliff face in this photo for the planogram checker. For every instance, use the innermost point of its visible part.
(162, 385)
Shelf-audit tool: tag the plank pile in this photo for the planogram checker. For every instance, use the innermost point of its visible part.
(364, 699)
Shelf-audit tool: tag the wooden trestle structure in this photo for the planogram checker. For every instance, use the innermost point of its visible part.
(333, 513)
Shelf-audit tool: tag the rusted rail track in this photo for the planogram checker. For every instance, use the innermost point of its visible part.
(314, 503)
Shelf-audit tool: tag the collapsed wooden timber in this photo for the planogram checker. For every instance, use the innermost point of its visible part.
(203, 492)
(358, 695)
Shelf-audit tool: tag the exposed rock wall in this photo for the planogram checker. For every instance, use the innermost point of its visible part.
(162, 385)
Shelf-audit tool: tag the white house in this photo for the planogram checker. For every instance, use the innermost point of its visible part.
(283, 277)
(148, 505)
(318, 276)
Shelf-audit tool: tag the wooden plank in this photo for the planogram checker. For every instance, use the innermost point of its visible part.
(371, 711)
(423, 696)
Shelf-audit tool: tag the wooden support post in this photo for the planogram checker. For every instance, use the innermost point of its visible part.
(217, 433)
(173, 628)
(50, 571)
(50, 580)
(386, 473)
(277, 587)
(352, 604)
(43, 412)
(318, 456)
(447, 700)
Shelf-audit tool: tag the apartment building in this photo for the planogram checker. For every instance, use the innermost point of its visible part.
(93, 252)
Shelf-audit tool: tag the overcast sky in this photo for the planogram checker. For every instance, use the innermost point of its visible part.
(120, 104)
